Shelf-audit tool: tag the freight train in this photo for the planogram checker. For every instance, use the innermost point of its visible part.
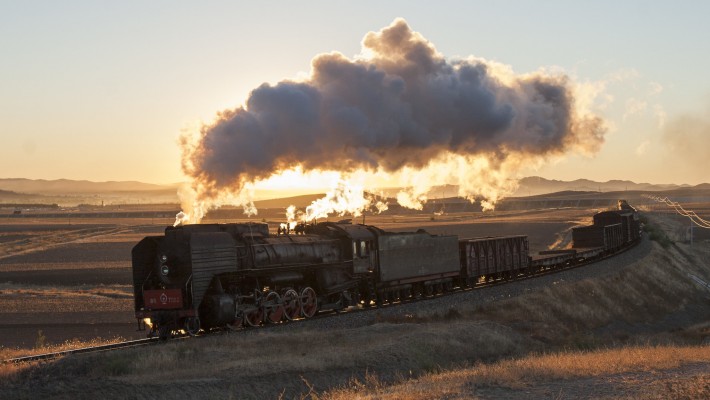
(224, 276)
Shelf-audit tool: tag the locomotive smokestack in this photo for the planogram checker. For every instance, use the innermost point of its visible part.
(400, 109)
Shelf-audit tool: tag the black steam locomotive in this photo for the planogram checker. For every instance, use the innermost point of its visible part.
(224, 276)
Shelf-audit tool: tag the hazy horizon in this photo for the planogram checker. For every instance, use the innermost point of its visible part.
(103, 92)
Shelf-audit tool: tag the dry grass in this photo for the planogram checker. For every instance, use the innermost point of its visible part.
(115, 291)
(9, 370)
(33, 298)
(532, 370)
(425, 347)
(634, 295)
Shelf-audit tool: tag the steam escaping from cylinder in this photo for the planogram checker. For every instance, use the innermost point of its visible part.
(400, 109)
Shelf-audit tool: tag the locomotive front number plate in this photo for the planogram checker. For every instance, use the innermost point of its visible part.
(162, 299)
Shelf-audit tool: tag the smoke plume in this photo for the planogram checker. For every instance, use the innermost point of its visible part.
(401, 108)
(686, 140)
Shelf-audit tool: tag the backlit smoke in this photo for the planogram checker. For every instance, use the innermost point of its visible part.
(346, 198)
(402, 109)
(686, 138)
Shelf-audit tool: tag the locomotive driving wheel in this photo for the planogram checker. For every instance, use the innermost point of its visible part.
(254, 317)
(191, 325)
(164, 332)
(273, 307)
(236, 324)
(309, 302)
(291, 304)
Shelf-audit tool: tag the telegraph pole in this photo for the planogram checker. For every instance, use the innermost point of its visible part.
(691, 232)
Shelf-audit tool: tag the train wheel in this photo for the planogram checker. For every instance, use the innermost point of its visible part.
(417, 291)
(428, 290)
(309, 302)
(365, 300)
(370, 295)
(254, 317)
(164, 332)
(292, 304)
(273, 308)
(192, 325)
(236, 324)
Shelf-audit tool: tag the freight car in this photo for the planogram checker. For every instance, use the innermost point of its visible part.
(492, 258)
(223, 276)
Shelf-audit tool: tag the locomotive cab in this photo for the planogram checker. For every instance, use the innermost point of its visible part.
(363, 256)
(358, 241)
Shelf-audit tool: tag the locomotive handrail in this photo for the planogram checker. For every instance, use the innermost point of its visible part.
(150, 273)
(188, 285)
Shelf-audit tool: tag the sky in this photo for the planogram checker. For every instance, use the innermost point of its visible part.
(101, 91)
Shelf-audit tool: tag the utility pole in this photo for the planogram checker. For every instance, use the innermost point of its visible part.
(691, 232)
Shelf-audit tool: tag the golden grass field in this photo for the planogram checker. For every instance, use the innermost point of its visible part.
(638, 332)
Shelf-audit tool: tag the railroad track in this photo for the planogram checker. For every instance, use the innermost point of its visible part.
(92, 349)
(320, 315)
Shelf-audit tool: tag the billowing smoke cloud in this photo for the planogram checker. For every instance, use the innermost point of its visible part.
(687, 140)
(402, 108)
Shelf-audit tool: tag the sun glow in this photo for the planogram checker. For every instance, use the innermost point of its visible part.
(295, 179)
(477, 178)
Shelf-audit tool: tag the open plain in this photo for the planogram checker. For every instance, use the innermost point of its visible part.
(635, 325)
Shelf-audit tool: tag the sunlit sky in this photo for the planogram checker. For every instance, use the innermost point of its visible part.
(102, 90)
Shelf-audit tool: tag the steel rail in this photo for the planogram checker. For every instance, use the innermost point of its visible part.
(92, 349)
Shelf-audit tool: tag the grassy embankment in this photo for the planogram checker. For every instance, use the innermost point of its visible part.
(596, 327)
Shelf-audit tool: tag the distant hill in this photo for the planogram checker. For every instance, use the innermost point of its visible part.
(10, 197)
(10, 194)
(73, 192)
(69, 187)
(536, 185)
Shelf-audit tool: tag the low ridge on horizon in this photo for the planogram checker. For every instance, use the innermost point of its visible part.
(69, 186)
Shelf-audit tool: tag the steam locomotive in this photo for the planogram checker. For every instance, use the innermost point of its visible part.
(225, 276)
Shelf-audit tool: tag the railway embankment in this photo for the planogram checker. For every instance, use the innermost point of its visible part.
(605, 329)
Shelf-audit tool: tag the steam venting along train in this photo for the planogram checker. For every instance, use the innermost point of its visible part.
(224, 276)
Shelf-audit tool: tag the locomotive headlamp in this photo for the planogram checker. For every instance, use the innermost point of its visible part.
(164, 269)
